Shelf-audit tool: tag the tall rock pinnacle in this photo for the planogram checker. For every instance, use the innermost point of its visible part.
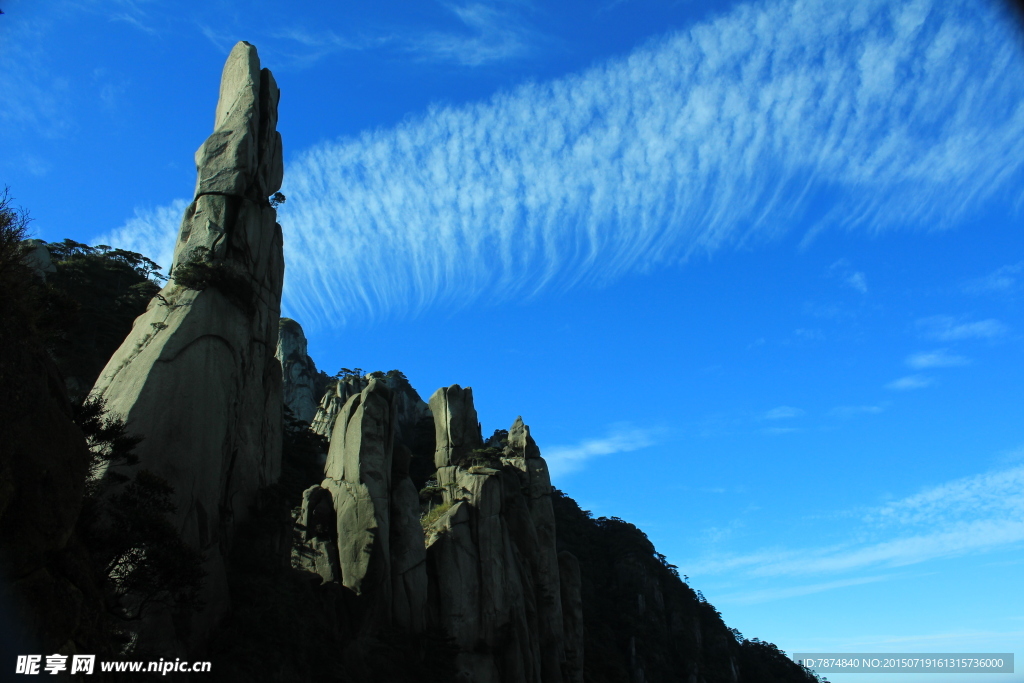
(197, 376)
(303, 385)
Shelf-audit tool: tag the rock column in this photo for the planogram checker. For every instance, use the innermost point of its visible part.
(197, 376)
(301, 378)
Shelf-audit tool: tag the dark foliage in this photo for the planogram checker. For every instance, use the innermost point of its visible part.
(302, 448)
(110, 444)
(33, 314)
(765, 663)
(126, 524)
(201, 271)
(92, 301)
(298, 630)
(640, 616)
(97, 560)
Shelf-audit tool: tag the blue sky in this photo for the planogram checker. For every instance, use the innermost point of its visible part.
(752, 272)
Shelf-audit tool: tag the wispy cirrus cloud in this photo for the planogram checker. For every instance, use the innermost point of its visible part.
(854, 411)
(886, 113)
(781, 593)
(621, 438)
(782, 413)
(1003, 279)
(971, 514)
(707, 138)
(948, 328)
(910, 382)
(37, 100)
(939, 358)
(491, 33)
(484, 34)
(852, 278)
(997, 494)
(781, 430)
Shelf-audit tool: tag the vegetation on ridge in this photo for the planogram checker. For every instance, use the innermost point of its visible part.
(100, 553)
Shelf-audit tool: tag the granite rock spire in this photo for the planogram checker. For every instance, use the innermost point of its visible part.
(197, 376)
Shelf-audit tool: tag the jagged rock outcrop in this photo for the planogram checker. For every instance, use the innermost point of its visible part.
(487, 574)
(302, 385)
(333, 400)
(410, 410)
(197, 376)
(491, 557)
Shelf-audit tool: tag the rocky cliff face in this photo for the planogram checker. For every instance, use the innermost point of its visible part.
(197, 376)
(302, 385)
(479, 563)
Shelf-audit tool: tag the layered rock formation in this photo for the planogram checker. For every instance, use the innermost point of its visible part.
(302, 386)
(197, 376)
(488, 574)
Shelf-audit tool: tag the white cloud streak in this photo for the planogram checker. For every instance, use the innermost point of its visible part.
(620, 439)
(972, 514)
(782, 413)
(494, 35)
(854, 411)
(998, 494)
(948, 328)
(910, 382)
(35, 100)
(935, 359)
(714, 136)
(1004, 279)
(886, 113)
(486, 34)
(769, 594)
